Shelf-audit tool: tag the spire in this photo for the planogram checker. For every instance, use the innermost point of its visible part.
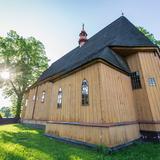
(82, 37)
(83, 27)
(122, 13)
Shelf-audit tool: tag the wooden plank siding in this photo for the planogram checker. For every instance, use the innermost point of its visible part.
(72, 109)
(110, 137)
(116, 96)
(147, 98)
(24, 107)
(30, 106)
(115, 109)
(42, 108)
(110, 101)
(141, 100)
(150, 65)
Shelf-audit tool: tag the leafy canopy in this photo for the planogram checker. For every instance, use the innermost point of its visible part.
(149, 35)
(6, 112)
(24, 59)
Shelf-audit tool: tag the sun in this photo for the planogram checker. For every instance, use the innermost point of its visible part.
(5, 75)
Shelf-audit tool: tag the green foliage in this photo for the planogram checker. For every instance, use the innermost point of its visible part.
(25, 59)
(1, 116)
(6, 112)
(149, 35)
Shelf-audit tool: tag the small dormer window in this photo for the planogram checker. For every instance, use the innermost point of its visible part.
(43, 96)
(59, 99)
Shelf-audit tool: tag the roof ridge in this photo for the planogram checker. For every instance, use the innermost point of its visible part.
(120, 32)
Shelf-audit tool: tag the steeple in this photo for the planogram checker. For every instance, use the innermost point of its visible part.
(82, 37)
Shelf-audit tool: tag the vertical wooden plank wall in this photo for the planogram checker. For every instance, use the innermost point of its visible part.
(35, 109)
(150, 65)
(116, 96)
(110, 101)
(141, 100)
(117, 104)
(24, 105)
(147, 99)
(72, 110)
(41, 112)
(30, 106)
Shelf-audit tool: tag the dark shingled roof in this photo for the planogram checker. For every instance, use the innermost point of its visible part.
(121, 32)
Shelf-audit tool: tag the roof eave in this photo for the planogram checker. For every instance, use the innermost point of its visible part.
(62, 75)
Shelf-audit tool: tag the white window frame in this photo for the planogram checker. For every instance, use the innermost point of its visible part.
(43, 96)
(152, 81)
(85, 93)
(59, 98)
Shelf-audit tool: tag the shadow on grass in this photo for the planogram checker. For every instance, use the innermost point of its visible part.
(34, 139)
(8, 155)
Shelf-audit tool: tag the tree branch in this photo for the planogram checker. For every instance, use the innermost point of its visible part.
(14, 88)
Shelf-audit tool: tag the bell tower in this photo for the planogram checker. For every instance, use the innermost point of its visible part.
(82, 37)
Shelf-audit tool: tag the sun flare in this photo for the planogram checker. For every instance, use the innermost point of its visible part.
(5, 75)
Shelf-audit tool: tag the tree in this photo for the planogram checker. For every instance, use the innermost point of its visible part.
(22, 60)
(149, 35)
(6, 111)
(0, 116)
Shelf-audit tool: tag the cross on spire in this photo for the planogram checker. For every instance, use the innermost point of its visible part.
(83, 27)
(122, 13)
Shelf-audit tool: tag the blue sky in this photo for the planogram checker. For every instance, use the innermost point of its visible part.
(57, 23)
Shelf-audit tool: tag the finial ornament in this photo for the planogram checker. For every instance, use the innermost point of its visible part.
(82, 36)
(83, 27)
(122, 13)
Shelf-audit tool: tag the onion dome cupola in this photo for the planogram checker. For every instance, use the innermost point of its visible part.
(82, 37)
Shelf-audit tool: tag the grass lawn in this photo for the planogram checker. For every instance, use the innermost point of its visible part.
(22, 143)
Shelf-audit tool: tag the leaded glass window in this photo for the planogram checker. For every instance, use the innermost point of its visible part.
(135, 78)
(43, 96)
(85, 92)
(59, 99)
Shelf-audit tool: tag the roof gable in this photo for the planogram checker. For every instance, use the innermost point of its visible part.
(123, 33)
(119, 33)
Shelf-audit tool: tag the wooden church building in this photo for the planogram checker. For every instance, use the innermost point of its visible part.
(105, 91)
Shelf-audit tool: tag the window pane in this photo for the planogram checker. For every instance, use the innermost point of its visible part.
(43, 96)
(34, 97)
(151, 81)
(135, 79)
(85, 92)
(59, 98)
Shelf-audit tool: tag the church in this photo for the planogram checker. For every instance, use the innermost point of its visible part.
(105, 91)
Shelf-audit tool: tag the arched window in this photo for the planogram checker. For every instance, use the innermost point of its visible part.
(34, 97)
(43, 96)
(85, 92)
(59, 99)
(26, 103)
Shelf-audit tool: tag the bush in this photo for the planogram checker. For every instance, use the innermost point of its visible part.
(0, 116)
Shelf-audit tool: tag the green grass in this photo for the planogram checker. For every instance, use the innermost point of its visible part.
(22, 143)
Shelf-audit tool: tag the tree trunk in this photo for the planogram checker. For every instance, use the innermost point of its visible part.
(18, 106)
